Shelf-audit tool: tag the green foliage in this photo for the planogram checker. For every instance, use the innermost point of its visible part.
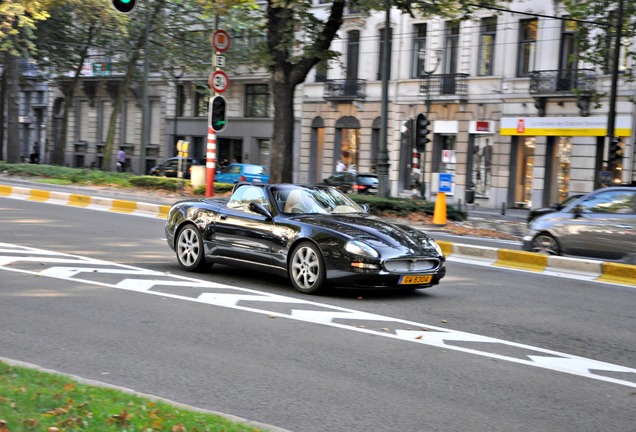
(405, 206)
(32, 400)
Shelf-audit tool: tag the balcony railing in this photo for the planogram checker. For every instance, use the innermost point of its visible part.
(345, 90)
(566, 82)
(445, 84)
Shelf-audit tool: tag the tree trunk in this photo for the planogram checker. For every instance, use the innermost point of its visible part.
(13, 108)
(282, 159)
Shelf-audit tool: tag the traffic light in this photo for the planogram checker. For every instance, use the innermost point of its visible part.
(124, 6)
(421, 132)
(218, 113)
(615, 151)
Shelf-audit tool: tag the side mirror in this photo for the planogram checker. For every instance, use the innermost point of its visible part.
(260, 209)
(365, 207)
(578, 211)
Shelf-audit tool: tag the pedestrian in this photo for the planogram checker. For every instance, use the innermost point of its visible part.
(121, 160)
(340, 166)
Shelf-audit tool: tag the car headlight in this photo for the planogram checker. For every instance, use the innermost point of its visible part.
(361, 248)
(435, 246)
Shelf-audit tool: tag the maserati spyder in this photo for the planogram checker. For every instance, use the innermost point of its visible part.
(314, 235)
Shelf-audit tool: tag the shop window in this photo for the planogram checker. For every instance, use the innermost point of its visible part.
(350, 150)
(482, 167)
(525, 165)
(562, 160)
(448, 161)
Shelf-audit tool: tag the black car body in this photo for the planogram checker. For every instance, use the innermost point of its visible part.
(315, 235)
(601, 224)
(170, 168)
(349, 182)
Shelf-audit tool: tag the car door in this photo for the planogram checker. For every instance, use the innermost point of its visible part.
(603, 226)
(241, 234)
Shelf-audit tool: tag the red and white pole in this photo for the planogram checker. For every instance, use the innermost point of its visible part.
(210, 162)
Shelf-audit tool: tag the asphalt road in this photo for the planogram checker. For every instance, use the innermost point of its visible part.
(357, 372)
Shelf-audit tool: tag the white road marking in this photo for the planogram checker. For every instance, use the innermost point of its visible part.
(15, 258)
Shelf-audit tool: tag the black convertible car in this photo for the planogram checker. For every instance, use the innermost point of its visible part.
(316, 236)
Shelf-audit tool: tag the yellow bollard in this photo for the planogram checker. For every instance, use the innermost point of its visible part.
(439, 216)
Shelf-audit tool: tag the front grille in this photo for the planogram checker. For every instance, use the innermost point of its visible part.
(413, 265)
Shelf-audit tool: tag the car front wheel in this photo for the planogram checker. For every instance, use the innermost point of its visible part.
(189, 249)
(545, 244)
(306, 268)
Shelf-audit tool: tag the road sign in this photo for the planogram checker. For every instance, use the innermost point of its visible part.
(220, 61)
(220, 40)
(219, 82)
(445, 182)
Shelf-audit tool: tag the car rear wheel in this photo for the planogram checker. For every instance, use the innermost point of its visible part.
(189, 249)
(545, 244)
(307, 269)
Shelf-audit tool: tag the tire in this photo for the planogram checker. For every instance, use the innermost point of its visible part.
(306, 268)
(189, 249)
(544, 243)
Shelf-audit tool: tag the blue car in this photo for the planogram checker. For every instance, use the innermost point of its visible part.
(240, 172)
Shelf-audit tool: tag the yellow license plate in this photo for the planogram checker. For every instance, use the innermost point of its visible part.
(415, 280)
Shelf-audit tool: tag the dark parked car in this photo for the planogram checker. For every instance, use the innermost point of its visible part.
(535, 213)
(348, 182)
(170, 168)
(601, 224)
(316, 236)
(241, 172)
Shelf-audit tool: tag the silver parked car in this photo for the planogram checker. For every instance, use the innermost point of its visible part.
(602, 224)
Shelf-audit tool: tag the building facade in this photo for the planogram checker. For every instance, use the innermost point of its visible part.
(513, 118)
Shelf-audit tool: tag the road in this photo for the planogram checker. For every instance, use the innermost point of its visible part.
(488, 350)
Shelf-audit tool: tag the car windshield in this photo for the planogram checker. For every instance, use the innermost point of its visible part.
(313, 200)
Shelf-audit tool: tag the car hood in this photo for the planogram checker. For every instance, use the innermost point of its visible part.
(374, 231)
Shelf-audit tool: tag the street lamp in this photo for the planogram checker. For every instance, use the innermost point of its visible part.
(177, 73)
(427, 73)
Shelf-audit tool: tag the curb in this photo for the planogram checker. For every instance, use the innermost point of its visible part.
(580, 268)
(77, 200)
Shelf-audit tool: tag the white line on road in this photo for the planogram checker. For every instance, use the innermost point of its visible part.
(39, 262)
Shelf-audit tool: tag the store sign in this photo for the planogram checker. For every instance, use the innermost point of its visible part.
(481, 127)
(563, 126)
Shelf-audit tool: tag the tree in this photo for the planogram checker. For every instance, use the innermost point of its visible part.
(596, 33)
(290, 53)
(75, 27)
(17, 24)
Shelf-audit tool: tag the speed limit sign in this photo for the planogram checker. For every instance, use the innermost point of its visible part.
(219, 81)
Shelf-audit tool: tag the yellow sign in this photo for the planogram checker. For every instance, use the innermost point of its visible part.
(563, 126)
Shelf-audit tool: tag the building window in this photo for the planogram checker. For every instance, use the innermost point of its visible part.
(487, 46)
(527, 41)
(321, 71)
(353, 51)
(451, 54)
(256, 100)
(568, 57)
(201, 103)
(419, 47)
(381, 58)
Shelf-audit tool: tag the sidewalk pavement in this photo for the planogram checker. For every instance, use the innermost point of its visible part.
(157, 204)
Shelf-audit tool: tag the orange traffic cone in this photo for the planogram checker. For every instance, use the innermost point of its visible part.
(439, 216)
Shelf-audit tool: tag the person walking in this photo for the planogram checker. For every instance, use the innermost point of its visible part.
(121, 160)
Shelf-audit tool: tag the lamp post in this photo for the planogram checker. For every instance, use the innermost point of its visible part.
(427, 73)
(177, 73)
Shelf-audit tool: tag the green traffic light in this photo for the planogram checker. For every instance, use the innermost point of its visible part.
(124, 6)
